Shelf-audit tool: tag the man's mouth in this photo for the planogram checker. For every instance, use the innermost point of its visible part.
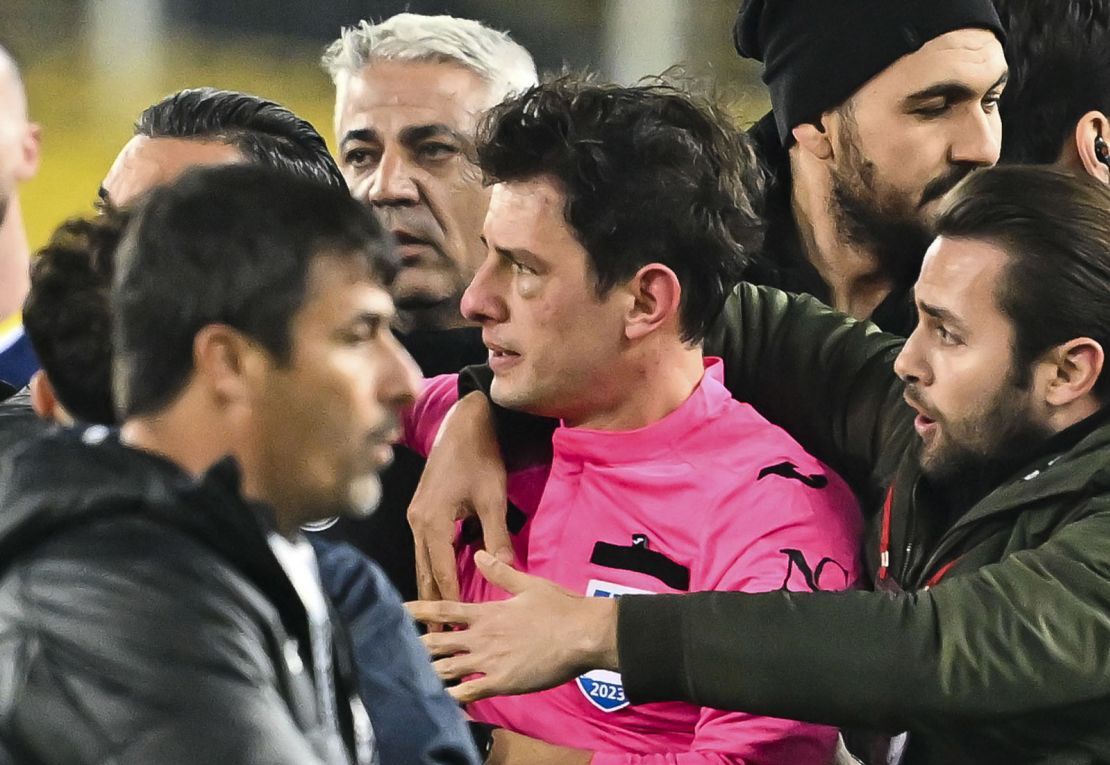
(410, 247)
(500, 357)
(923, 423)
(939, 187)
(381, 442)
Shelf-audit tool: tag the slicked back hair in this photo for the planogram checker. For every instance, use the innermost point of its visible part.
(228, 245)
(1055, 228)
(651, 174)
(265, 132)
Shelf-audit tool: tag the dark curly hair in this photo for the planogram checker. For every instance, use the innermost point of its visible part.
(1059, 56)
(651, 173)
(265, 132)
(68, 314)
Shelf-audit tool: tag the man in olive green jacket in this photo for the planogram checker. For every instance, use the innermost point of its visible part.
(988, 638)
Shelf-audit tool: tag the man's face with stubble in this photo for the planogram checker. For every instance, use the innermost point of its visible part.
(909, 136)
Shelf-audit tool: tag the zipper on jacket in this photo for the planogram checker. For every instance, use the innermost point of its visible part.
(909, 537)
(905, 565)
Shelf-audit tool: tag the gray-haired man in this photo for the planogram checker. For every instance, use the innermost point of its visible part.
(410, 92)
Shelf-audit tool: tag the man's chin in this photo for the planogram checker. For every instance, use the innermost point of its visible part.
(417, 288)
(504, 395)
(937, 463)
(364, 496)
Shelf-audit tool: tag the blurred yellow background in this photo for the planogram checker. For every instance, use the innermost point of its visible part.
(85, 122)
(92, 66)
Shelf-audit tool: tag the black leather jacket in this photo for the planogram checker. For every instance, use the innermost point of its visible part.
(144, 619)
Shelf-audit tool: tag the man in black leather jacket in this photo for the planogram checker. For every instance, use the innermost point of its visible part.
(67, 315)
(157, 601)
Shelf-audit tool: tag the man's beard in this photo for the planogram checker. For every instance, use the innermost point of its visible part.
(879, 220)
(5, 200)
(365, 494)
(862, 219)
(999, 442)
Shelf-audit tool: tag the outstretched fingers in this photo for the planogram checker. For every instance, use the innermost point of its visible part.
(440, 612)
(472, 690)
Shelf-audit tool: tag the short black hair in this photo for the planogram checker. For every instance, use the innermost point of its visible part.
(265, 132)
(67, 314)
(230, 245)
(1055, 228)
(1059, 57)
(651, 173)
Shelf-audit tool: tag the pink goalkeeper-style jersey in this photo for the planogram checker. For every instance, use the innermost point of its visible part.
(711, 497)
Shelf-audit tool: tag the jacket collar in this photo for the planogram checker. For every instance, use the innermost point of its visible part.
(67, 477)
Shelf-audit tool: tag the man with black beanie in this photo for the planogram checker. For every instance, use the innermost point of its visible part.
(879, 108)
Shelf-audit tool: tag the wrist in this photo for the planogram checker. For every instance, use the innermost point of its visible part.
(598, 646)
(468, 423)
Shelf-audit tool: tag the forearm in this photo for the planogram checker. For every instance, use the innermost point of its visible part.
(1015, 637)
(779, 654)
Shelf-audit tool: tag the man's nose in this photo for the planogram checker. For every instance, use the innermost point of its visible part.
(979, 140)
(910, 364)
(401, 379)
(481, 302)
(393, 182)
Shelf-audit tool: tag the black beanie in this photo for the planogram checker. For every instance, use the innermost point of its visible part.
(817, 53)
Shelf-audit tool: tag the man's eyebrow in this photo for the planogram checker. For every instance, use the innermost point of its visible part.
(359, 134)
(516, 254)
(373, 316)
(416, 133)
(940, 314)
(953, 91)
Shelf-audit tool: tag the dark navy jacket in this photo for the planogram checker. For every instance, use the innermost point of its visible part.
(415, 721)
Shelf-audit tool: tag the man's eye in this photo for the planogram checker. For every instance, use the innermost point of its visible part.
(520, 268)
(359, 158)
(437, 151)
(932, 111)
(946, 337)
(363, 332)
(990, 103)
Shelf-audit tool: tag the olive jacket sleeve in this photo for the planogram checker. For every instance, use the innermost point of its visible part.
(1016, 637)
